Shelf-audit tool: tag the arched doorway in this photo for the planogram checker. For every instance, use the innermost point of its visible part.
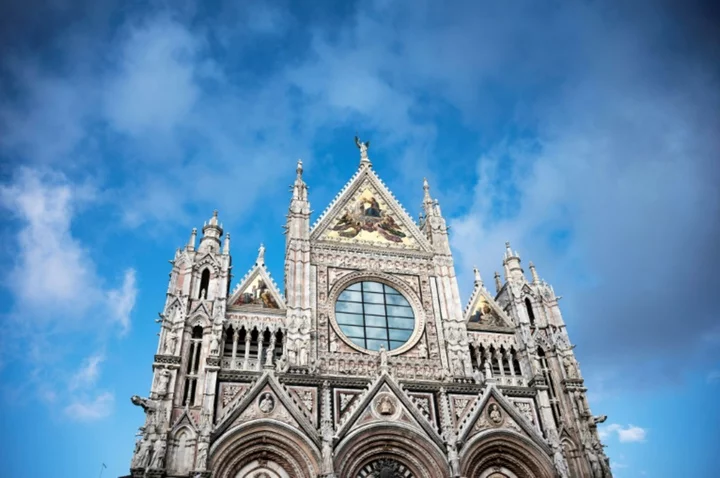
(264, 449)
(389, 451)
(262, 469)
(504, 454)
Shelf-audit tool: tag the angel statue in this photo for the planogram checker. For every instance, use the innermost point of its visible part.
(363, 146)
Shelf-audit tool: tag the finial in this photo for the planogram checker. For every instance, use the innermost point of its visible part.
(478, 279)
(508, 251)
(498, 284)
(535, 278)
(261, 255)
(226, 244)
(363, 147)
(299, 168)
(193, 235)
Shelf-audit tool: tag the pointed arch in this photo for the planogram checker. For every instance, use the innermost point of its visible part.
(391, 441)
(507, 449)
(267, 440)
(204, 288)
(181, 455)
(530, 312)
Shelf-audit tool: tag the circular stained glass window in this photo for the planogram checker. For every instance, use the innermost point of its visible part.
(372, 314)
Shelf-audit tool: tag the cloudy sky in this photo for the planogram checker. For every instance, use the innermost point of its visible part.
(586, 133)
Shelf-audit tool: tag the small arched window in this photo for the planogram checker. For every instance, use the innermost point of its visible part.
(531, 314)
(204, 284)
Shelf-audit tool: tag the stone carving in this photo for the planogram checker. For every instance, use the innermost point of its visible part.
(595, 466)
(526, 410)
(570, 368)
(386, 405)
(170, 342)
(266, 404)
(163, 382)
(559, 461)
(494, 414)
(158, 459)
(202, 453)
(150, 407)
(229, 392)
(422, 348)
(599, 419)
(214, 345)
(142, 457)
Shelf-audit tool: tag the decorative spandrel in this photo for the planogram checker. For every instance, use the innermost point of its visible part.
(484, 314)
(367, 218)
(257, 293)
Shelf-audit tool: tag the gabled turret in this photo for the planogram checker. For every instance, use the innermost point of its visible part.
(434, 225)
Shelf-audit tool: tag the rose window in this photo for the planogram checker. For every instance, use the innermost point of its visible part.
(374, 315)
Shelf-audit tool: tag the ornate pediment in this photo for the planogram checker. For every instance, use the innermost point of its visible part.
(365, 213)
(385, 401)
(267, 399)
(494, 411)
(257, 290)
(484, 313)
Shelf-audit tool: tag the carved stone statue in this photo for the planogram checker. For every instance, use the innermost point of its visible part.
(362, 146)
(202, 453)
(570, 368)
(495, 415)
(303, 355)
(267, 403)
(171, 342)
(327, 449)
(142, 459)
(261, 254)
(386, 406)
(594, 464)
(158, 459)
(163, 382)
(559, 461)
(214, 345)
(422, 349)
(488, 370)
(382, 355)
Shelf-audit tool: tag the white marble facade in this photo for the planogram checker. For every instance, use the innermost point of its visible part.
(368, 365)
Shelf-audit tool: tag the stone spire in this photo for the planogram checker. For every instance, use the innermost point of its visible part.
(511, 264)
(478, 279)
(498, 284)
(212, 231)
(535, 278)
(434, 225)
(193, 237)
(226, 244)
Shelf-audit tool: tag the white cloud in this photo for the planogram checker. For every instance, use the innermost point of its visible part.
(626, 434)
(88, 373)
(92, 409)
(52, 270)
(122, 301)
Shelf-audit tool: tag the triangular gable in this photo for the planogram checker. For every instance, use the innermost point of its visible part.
(483, 311)
(386, 400)
(185, 420)
(208, 259)
(493, 410)
(267, 398)
(200, 309)
(257, 290)
(366, 213)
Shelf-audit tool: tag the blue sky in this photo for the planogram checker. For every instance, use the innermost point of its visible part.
(586, 133)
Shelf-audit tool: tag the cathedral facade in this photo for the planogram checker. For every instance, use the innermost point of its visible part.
(368, 365)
